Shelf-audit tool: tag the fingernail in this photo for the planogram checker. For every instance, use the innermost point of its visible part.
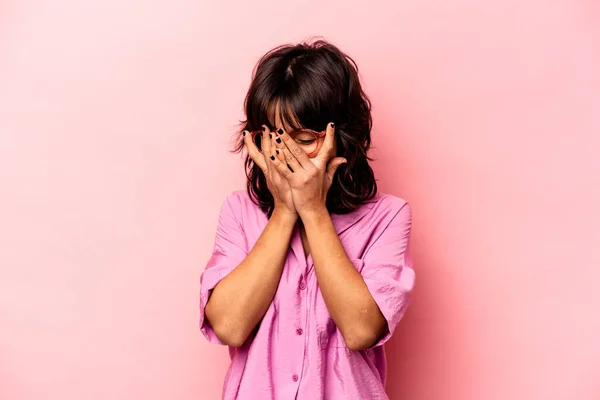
(273, 158)
(244, 133)
(280, 131)
(278, 140)
(263, 128)
(270, 136)
(332, 125)
(277, 151)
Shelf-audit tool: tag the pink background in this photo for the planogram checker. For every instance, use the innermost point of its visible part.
(115, 125)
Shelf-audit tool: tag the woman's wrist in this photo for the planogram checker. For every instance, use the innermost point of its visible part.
(284, 216)
(314, 215)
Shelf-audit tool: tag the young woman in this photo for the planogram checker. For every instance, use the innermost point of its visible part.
(311, 270)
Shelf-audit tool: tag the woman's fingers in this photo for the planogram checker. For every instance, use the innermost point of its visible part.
(326, 150)
(275, 149)
(265, 143)
(281, 165)
(299, 157)
(254, 153)
(293, 166)
(287, 157)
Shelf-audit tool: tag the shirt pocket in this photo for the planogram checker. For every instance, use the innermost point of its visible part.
(328, 333)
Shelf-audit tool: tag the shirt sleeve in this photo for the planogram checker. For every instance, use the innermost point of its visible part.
(228, 252)
(388, 271)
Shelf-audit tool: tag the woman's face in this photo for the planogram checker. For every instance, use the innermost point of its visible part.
(307, 141)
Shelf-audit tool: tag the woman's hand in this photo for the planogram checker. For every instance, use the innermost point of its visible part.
(309, 179)
(278, 186)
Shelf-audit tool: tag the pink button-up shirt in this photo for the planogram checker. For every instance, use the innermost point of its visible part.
(297, 351)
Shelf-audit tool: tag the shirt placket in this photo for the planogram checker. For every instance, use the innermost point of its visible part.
(300, 330)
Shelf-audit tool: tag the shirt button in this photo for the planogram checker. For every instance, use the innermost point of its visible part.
(302, 285)
(299, 331)
(295, 378)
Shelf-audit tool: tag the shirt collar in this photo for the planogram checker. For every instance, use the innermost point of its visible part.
(343, 222)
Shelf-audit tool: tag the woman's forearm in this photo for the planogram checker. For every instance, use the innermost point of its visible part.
(240, 300)
(346, 295)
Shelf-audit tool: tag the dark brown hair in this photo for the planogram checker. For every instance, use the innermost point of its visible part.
(314, 83)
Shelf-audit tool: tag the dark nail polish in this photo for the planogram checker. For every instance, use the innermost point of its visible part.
(332, 125)
(244, 133)
(277, 151)
(278, 140)
(280, 131)
(273, 158)
(270, 136)
(263, 129)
